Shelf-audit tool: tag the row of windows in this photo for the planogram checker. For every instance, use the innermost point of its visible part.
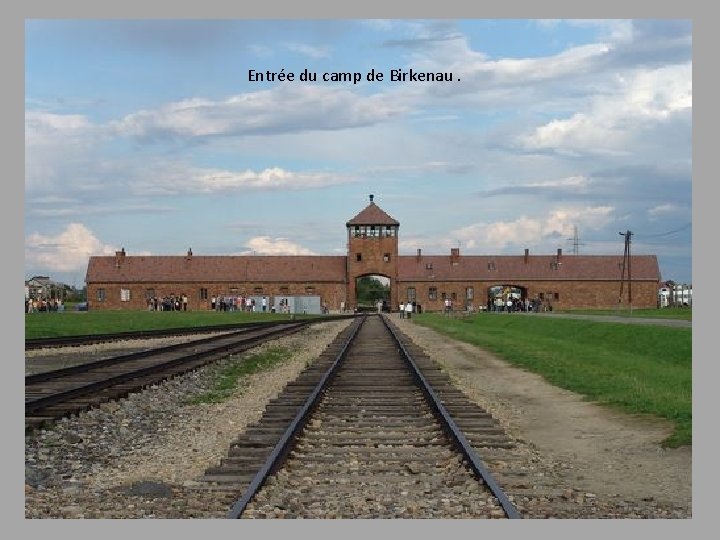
(386, 257)
(433, 294)
(469, 294)
(125, 294)
(363, 231)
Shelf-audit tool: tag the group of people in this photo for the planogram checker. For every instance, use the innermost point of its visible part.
(244, 303)
(512, 304)
(168, 303)
(406, 309)
(34, 305)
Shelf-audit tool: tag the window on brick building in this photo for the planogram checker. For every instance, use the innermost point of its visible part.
(101, 295)
(432, 293)
(469, 293)
(386, 257)
(124, 295)
(358, 257)
(356, 231)
(310, 289)
(491, 265)
(149, 293)
(453, 296)
(233, 291)
(541, 296)
(428, 266)
(203, 294)
(411, 294)
(284, 290)
(557, 296)
(258, 290)
(443, 295)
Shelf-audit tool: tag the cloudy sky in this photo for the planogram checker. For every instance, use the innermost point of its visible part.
(150, 135)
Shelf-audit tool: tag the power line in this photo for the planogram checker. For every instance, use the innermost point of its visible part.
(687, 225)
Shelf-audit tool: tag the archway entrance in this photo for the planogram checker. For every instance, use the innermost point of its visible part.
(498, 297)
(371, 290)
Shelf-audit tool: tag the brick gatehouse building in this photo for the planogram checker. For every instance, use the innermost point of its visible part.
(562, 281)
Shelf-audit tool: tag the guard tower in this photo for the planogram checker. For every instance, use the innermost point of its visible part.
(372, 250)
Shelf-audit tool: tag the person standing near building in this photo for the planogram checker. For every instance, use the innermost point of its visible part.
(264, 304)
(402, 310)
(408, 310)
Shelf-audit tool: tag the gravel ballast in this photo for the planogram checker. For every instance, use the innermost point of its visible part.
(140, 457)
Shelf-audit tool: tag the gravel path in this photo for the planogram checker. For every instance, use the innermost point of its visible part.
(608, 463)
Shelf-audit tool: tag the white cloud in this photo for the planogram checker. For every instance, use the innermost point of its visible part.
(537, 231)
(286, 108)
(665, 210)
(309, 50)
(176, 179)
(65, 252)
(641, 99)
(568, 182)
(264, 245)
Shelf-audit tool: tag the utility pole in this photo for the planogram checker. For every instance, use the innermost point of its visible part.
(626, 262)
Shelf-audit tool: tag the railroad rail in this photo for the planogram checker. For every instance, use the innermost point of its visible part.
(366, 431)
(89, 339)
(53, 394)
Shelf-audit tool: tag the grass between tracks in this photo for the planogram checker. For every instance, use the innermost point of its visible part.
(61, 324)
(636, 368)
(232, 376)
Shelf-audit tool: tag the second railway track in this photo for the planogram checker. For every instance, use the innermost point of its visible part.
(372, 445)
(54, 394)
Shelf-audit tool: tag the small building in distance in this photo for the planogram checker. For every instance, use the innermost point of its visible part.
(471, 282)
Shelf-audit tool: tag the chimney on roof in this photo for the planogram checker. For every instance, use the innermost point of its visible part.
(372, 197)
(454, 255)
(119, 256)
(527, 255)
(559, 254)
(419, 254)
(189, 252)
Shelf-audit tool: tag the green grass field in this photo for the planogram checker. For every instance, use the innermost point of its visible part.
(636, 368)
(682, 313)
(72, 323)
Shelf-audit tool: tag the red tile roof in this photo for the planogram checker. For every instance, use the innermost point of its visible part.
(513, 267)
(200, 268)
(372, 214)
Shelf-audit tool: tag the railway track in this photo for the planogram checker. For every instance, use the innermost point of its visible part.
(90, 339)
(54, 394)
(370, 430)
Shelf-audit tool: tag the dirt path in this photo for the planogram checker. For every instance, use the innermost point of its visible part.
(604, 452)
